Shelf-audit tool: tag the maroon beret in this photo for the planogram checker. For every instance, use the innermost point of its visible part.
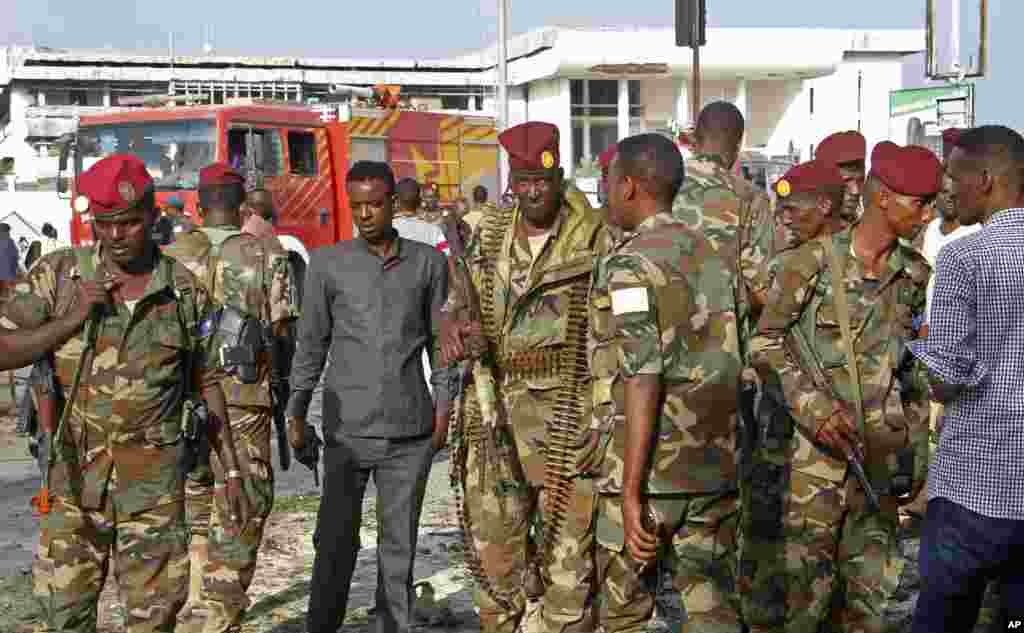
(842, 147)
(910, 170)
(607, 156)
(219, 174)
(810, 177)
(531, 146)
(116, 184)
(950, 137)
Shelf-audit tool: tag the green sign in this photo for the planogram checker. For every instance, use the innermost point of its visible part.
(902, 102)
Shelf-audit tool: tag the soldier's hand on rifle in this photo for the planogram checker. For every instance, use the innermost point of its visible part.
(453, 337)
(92, 293)
(642, 545)
(590, 453)
(839, 433)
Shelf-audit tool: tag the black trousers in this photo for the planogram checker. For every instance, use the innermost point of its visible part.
(961, 551)
(400, 469)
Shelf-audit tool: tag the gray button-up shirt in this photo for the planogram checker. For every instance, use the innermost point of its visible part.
(374, 316)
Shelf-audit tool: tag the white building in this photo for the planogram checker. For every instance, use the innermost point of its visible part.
(598, 85)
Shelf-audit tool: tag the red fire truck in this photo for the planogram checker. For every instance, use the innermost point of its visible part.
(299, 153)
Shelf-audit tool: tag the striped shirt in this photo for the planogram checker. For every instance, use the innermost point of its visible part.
(976, 341)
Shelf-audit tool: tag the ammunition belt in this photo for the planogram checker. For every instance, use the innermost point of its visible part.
(564, 426)
(531, 364)
(467, 425)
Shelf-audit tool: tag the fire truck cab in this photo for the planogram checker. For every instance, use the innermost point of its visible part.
(297, 152)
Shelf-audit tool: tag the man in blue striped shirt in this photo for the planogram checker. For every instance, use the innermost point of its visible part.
(974, 527)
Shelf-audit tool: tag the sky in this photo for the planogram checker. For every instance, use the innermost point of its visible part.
(396, 29)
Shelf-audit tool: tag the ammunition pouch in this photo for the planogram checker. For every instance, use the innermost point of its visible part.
(193, 448)
(244, 336)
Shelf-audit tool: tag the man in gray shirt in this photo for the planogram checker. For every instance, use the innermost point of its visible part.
(372, 304)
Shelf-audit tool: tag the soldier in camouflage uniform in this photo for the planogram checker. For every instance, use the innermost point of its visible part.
(252, 276)
(665, 357)
(838, 559)
(847, 151)
(810, 196)
(537, 259)
(734, 215)
(115, 483)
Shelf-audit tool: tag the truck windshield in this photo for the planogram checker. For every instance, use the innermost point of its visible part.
(174, 151)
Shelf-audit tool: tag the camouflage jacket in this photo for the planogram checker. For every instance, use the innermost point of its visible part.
(532, 296)
(734, 215)
(124, 424)
(800, 303)
(253, 276)
(662, 303)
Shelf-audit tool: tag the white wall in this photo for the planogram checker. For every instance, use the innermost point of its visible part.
(549, 102)
(27, 161)
(777, 114)
(997, 96)
(835, 99)
(38, 207)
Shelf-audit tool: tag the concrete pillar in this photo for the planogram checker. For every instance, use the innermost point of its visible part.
(40, 98)
(623, 108)
(106, 97)
(564, 124)
(587, 149)
(683, 117)
(742, 101)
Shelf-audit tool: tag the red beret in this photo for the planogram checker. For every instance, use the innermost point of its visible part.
(950, 137)
(113, 185)
(910, 171)
(607, 156)
(219, 174)
(810, 177)
(842, 147)
(531, 146)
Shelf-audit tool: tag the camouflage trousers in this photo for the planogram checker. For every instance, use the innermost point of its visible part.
(832, 562)
(71, 565)
(223, 564)
(704, 543)
(501, 510)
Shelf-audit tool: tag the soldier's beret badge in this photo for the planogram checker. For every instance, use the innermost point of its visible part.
(81, 204)
(126, 190)
(547, 159)
(783, 188)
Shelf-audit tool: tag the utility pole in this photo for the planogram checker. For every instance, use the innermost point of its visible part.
(691, 31)
(502, 83)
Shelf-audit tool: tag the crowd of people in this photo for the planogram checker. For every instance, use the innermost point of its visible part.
(746, 393)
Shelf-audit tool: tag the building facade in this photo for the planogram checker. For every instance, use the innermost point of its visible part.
(597, 84)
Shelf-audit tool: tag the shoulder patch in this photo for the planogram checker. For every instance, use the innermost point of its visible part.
(630, 300)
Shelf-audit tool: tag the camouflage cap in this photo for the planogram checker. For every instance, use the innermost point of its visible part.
(531, 146)
(114, 185)
(809, 177)
(910, 170)
(842, 147)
